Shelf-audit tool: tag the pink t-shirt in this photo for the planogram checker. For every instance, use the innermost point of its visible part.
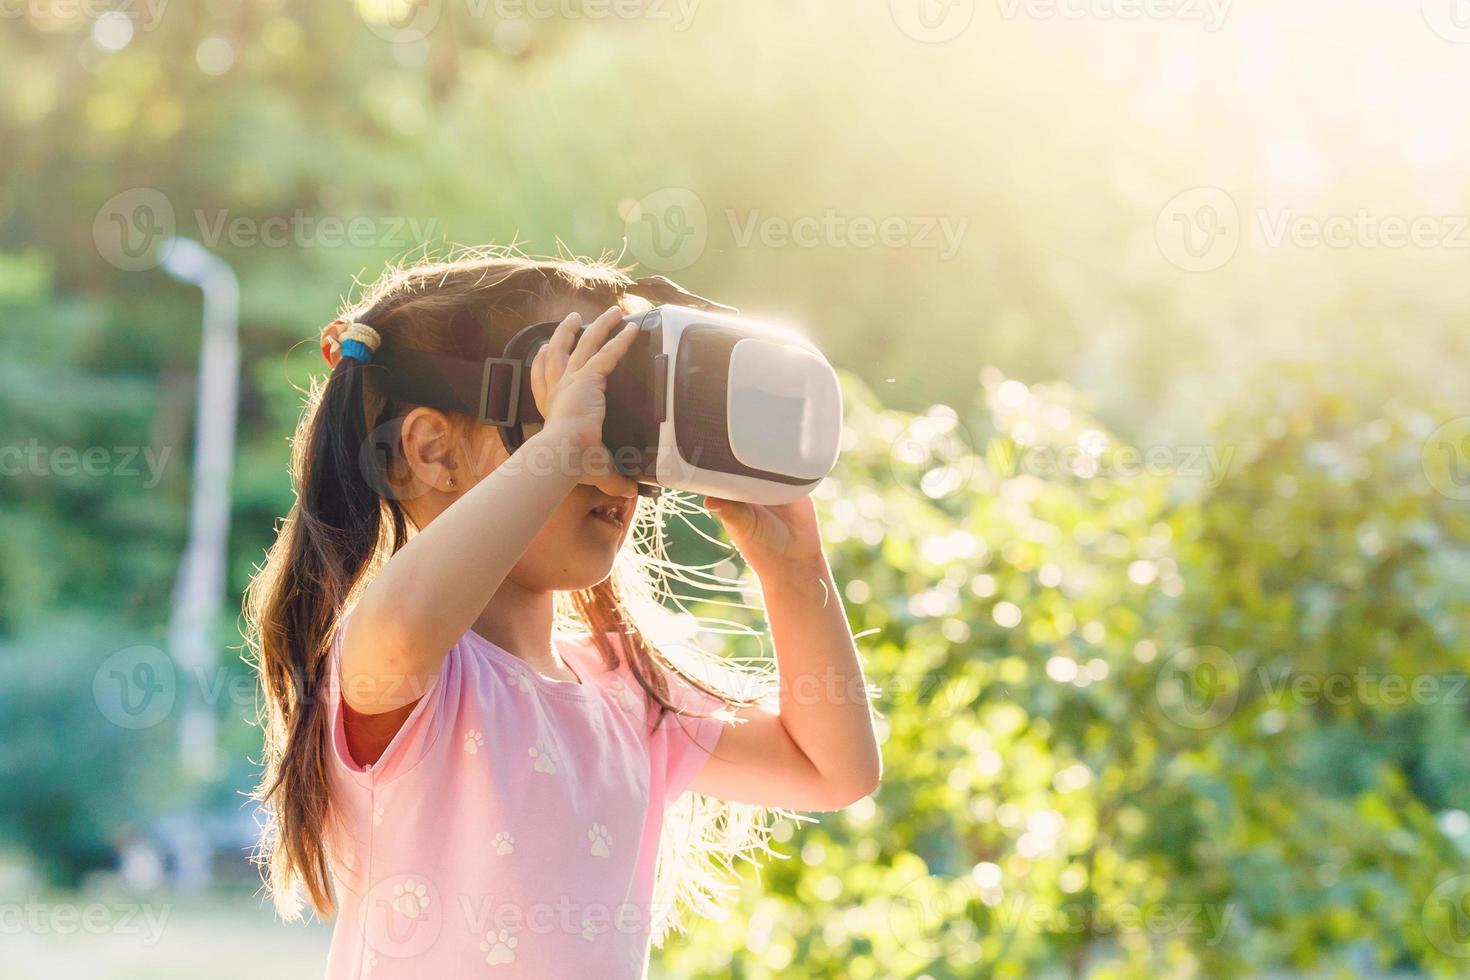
(511, 827)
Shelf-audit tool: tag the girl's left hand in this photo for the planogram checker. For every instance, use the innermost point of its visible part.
(771, 536)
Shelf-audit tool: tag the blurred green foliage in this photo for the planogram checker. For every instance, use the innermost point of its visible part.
(1137, 724)
(1111, 738)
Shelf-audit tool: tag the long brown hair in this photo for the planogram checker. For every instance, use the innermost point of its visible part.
(346, 521)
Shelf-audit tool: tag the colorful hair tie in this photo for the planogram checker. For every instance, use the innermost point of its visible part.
(360, 341)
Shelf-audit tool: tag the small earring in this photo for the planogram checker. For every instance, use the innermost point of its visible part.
(449, 482)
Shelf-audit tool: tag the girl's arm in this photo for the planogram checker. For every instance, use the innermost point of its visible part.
(431, 592)
(819, 752)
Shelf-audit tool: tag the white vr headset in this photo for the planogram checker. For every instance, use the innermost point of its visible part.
(705, 401)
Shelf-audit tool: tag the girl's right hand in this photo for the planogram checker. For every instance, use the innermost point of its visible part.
(569, 381)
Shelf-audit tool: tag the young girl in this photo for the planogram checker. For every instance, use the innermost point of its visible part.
(474, 789)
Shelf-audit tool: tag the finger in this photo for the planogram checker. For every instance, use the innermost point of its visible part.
(612, 352)
(603, 474)
(594, 337)
(615, 485)
(559, 347)
(538, 381)
(736, 516)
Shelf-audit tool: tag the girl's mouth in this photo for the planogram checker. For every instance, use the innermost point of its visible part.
(614, 512)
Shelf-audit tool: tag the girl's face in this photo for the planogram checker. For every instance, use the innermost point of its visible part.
(578, 544)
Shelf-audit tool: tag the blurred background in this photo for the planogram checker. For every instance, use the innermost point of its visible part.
(1155, 510)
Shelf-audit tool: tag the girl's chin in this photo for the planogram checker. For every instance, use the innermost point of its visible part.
(584, 574)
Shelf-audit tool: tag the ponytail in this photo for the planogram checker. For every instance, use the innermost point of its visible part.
(338, 526)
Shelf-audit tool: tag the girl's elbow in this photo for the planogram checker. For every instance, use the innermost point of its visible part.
(863, 780)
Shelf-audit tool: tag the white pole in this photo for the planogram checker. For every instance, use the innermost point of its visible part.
(199, 591)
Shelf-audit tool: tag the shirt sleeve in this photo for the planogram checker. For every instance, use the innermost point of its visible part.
(433, 713)
(685, 739)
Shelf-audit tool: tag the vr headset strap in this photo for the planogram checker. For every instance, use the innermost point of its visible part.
(492, 390)
(495, 390)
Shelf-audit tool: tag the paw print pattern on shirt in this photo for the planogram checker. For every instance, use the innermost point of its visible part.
(410, 898)
(541, 754)
(504, 843)
(601, 840)
(591, 929)
(472, 741)
(498, 947)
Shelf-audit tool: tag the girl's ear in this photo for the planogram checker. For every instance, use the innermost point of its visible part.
(431, 450)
